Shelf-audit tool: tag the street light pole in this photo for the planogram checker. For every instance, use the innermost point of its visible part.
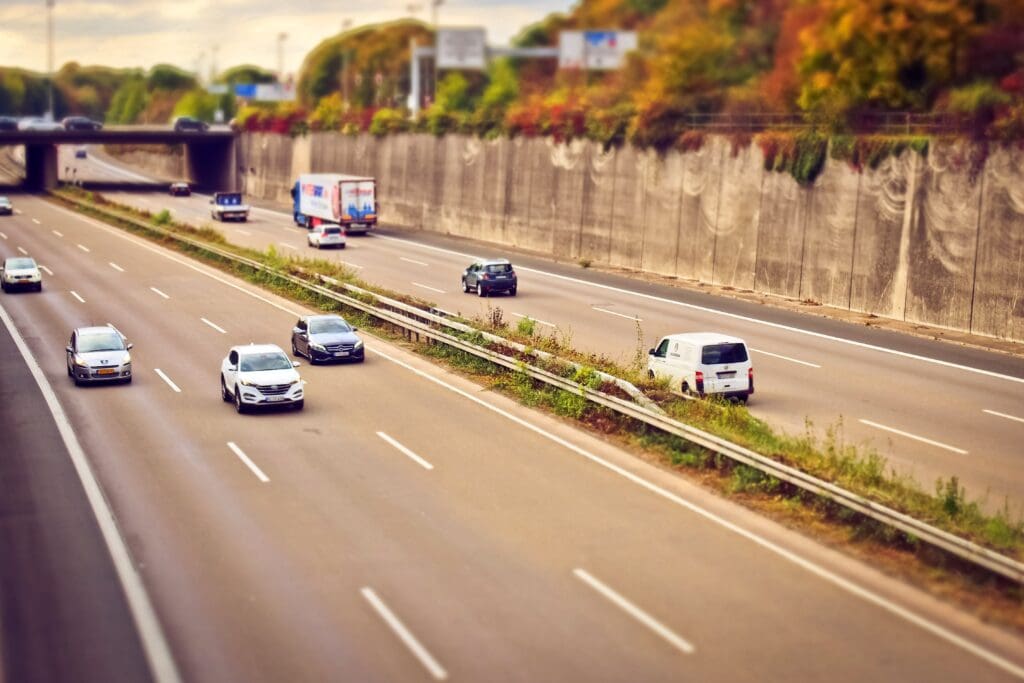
(434, 4)
(49, 54)
(345, 26)
(281, 37)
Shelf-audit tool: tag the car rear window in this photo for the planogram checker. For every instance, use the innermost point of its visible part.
(499, 268)
(719, 354)
(332, 231)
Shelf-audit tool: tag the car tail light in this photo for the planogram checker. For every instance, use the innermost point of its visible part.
(485, 276)
(750, 378)
(699, 377)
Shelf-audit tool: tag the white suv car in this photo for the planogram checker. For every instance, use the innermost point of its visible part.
(326, 235)
(260, 375)
(20, 271)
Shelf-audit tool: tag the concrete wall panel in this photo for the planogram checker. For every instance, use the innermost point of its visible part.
(628, 209)
(736, 228)
(998, 302)
(828, 242)
(517, 197)
(780, 243)
(598, 190)
(663, 186)
(944, 240)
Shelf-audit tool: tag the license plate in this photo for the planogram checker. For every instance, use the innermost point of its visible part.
(106, 371)
(341, 353)
(275, 398)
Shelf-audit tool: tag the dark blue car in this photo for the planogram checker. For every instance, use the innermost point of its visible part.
(323, 338)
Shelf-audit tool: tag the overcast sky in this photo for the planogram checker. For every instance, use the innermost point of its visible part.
(185, 32)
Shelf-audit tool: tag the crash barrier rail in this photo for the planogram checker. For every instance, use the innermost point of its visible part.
(422, 323)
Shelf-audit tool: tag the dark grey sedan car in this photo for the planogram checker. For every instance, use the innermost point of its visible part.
(322, 338)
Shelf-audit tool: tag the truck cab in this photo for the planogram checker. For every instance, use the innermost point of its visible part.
(228, 206)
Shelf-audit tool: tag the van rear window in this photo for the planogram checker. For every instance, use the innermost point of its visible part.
(720, 354)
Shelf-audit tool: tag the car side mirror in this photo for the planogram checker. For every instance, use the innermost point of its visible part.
(129, 347)
(232, 368)
(211, 201)
(355, 329)
(296, 330)
(295, 363)
(651, 352)
(68, 349)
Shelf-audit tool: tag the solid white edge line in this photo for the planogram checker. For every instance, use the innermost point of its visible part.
(815, 569)
(48, 271)
(791, 360)
(420, 461)
(83, 248)
(76, 295)
(244, 232)
(23, 251)
(154, 643)
(115, 266)
(214, 326)
(248, 463)
(1008, 417)
(58, 233)
(158, 292)
(734, 316)
(915, 437)
(632, 610)
(410, 260)
(634, 318)
(167, 379)
(432, 289)
(536, 320)
(822, 573)
(350, 265)
(399, 629)
(286, 245)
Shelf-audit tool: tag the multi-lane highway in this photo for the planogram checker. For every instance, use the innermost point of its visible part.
(933, 409)
(408, 526)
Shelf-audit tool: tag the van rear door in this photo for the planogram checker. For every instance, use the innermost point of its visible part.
(725, 367)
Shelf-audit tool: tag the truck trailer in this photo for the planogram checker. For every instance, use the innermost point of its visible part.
(349, 201)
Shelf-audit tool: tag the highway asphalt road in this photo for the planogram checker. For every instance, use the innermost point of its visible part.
(408, 526)
(931, 408)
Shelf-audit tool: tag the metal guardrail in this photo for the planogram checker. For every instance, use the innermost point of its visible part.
(421, 323)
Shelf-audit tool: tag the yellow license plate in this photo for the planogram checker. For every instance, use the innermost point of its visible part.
(106, 371)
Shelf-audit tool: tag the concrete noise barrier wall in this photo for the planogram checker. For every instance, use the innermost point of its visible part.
(919, 238)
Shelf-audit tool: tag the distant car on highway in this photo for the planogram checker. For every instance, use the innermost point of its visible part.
(322, 338)
(704, 363)
(37, 123)
(228, 206)
(8, 123)
(80, 123)
(6, 208)
(260, 375)
(489, 276)
(20, 272)
(180, 190)
(98, 354)
(187, 123)
(326, 235)
(80, 152)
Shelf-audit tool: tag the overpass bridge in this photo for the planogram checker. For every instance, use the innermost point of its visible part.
(210, 156)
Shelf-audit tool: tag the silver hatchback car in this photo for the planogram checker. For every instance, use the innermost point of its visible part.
(99, 354)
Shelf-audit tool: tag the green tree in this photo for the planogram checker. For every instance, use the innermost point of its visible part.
(197, 104)
(168, 77)
(128, 102)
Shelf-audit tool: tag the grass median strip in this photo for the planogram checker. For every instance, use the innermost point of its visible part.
(826, 456)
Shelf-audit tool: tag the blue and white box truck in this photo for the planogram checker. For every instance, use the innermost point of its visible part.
(348, 200)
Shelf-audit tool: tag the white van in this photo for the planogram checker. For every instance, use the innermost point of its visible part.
(704, 363)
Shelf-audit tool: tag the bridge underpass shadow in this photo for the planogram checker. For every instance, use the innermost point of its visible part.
(134, 186)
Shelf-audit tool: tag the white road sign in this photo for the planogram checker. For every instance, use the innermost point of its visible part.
(594, 49)
(461, 48)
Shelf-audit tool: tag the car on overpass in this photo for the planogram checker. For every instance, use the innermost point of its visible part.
(322, 338)
(8, 123)
(259, 375)
(81, 152)
(180, 189)
(38, 123)
(20, 272)
(80, 123)
(99, 354)
(6, 207)
(188, 123)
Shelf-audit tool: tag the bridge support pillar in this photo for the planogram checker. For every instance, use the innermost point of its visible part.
(40, 167)
(212, 164)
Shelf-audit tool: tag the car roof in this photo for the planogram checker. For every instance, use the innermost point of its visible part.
(180, 182)
(4, 199)
(323, 316)
(705, 338)
(19, 258)
(246, 349)
(96, 329)
(495, 262)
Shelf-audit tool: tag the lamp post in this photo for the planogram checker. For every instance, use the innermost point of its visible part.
(345, 26)
(434, 4)
(49, 54)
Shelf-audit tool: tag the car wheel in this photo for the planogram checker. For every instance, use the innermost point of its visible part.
(686, 389)
(650, 374)
(39, 287)
(224, 395)
(295, 350)
(300, 404)
(128, 379)
(480, 291)
(3, 286)
(342, 246)
(512, 291)
(239, 406)
(465, 287)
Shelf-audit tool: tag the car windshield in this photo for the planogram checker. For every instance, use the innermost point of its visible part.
(328, 327)
(19, 264)
(718, 354)
(499, 268)
(100, 342)
(4, 200)
(258, 362)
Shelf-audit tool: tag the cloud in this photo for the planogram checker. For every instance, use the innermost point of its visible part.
(140, 33)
